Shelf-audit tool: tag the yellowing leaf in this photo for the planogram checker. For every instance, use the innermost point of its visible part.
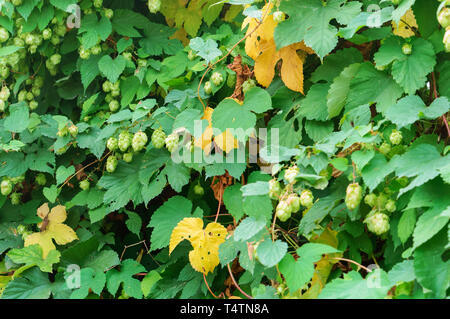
(225, 141)
(260, 46)
(403, 29)
(205, 255)
(52, 228)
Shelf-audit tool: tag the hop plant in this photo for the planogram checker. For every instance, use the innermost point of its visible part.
(4, 35)
(139, 141)
(283, 211)
(446, 39)
(111, 163)
(112, 144)
(55, 59)
(172, 142)
(73, 130)
(396, 137)
(231, 80)
(154, 5)
(40, 179)
(191, 55)
(370, 199)
(217, 78)
(294, 202)
(113, 105)
(247, 85)
(208, 87)
(353, 196)
(279, 16)
(274, 189)
(390, 206)
(385, 148)
(158, 138)
(306, 198)
(407, 49)
(444, 17)
(198, 190)
(15, 198)
(6, 187)
(84, 184)
(377, 222)
(21, 229)
(128, 157)
(124, 141)
(291, 173)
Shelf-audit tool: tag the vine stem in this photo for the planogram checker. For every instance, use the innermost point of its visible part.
(218, 206)
(353, 262)
(236, 284)
(226, 55)
(209, 289)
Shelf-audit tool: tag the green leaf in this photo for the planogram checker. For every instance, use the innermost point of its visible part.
(310, 21)
(177, 174)
(90, 280)
(375, 171)
(149, 281)
(208, 49)
(131, 286)
(165, 218)
(110, 68)
(62, 173)
(430, 269)
(258, 100)
(18, 118)
(126, 22)
(32, 256)
(33, 284)
(375, 286)
(314, 106)
(89, 70)
(406, 224)
(134, 223)
(7, 50)
(371, 86)
(411, 108)
(271, 252)
(232, 198)
(248, 228)
(231, 115)
(51, 193)
(299, 272)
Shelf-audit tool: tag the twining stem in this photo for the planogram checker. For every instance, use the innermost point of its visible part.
(236, 284)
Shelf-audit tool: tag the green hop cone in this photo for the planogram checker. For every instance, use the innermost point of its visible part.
(191, 55)
(198, 190)
(385, 148)
(84, 184)
(208, 87)
(283, 211)
(124, 141)
(274, 189)
(139, 141)
(21, 229)
(172, 142)
(279, 16)
(6, 187)
(390, 206)
(158, 138)
(294, 202)
(112, 144)
(231, 80)
(377, 222)
(370, 199)
(247, 85)
(217, 78)
(15, 198)
(111, 164)
(154, 5)
(381, 201)
(291, 173)
(306, 198)
(407, 49)
(128, 157)
(353, 196)
(444, 17)
(446, 40)
(114, 105)
(396, 137)
(41, 180)
(73, 130)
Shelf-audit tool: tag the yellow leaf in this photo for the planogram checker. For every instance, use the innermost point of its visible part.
(52, 228)
(205, 242)
(260, 46)
(403, 29)
(225, 141)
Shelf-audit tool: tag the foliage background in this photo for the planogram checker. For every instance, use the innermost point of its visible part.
(352, 103)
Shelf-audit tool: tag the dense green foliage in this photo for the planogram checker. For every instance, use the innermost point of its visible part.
(98, 97)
